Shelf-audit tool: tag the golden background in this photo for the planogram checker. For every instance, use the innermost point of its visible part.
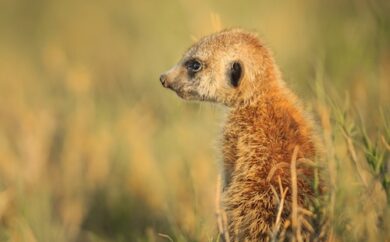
(92, 148)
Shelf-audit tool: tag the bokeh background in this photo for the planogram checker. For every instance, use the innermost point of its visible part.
(92, 148)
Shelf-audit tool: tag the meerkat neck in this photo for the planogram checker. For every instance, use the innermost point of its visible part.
(279, 105)
(273, 89)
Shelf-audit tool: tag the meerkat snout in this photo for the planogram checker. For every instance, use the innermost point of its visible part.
(163, 78)
(184, 78)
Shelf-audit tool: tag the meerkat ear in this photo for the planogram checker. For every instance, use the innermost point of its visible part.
(235, 73)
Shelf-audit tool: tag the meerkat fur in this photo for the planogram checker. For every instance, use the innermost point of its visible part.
(264, 124)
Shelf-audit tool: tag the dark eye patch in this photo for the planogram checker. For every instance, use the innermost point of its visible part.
(193, 66)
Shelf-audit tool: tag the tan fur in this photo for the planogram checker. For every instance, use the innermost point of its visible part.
(264, 125)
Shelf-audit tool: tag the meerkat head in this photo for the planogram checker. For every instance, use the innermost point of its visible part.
(229, 67)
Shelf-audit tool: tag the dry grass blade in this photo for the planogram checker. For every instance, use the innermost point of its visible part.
(216, 22)
(220, 213)
(218, 205)
(275, 193)
(280, 165)
(165, 236)
(281, 200)
(353, 155)
(305, 211)
(306, 224)
(387, 145)
(224, 222)
(294, 188)
(286, 225)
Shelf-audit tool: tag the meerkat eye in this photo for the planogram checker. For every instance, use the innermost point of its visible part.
(193, 65)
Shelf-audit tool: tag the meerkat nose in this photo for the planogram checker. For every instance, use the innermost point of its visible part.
(163, 79)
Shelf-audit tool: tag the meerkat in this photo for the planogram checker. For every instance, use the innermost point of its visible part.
(264, 124)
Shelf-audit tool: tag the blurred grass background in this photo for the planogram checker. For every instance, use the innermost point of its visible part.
(92, 148)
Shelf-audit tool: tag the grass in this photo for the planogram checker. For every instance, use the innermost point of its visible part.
(93, 149)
